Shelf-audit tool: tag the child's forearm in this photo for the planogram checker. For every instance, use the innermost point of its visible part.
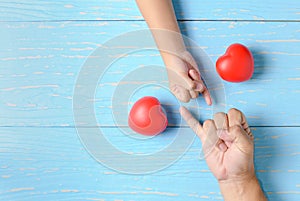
(161, 19)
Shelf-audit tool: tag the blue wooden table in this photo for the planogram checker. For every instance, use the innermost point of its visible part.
(46, 44)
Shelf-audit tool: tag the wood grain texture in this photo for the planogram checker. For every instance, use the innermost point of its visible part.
(52, 164)
(40, 62)
(33, 10)
(44, 45)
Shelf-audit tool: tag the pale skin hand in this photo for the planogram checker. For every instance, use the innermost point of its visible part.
(228, 149)
(184, 76)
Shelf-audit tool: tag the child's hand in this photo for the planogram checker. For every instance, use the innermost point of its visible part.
(184, 77)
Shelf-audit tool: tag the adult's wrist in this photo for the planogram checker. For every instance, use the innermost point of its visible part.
(245, 189)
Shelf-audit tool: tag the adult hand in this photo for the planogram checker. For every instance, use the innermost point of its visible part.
(227, 144)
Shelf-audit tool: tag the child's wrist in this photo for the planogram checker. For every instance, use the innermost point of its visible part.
(169, 42)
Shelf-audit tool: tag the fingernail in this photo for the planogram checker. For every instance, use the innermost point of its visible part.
(222, 147)
(199, 87)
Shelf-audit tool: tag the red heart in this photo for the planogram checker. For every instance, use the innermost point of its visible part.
(147, 117)
(236, 65)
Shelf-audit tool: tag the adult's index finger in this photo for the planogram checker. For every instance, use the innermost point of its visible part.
(193, 123)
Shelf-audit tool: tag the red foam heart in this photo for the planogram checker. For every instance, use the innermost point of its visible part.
(147, 117)
(236, 65)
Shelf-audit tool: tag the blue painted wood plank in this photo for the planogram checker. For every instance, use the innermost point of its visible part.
(33, 10)
(52, 164)
(40, 62)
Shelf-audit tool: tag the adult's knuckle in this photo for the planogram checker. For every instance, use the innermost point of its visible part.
(208, 123)
(219, 115)
(236, 128)
(234, 111)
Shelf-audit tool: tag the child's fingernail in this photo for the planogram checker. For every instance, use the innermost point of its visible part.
(199, 87)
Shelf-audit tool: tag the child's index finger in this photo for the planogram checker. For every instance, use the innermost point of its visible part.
(193, 123)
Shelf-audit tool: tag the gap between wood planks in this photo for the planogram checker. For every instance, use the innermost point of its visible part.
(122, 126)
(140, 20)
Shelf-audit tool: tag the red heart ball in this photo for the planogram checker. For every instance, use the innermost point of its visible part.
(236, 65)
(147, 117)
